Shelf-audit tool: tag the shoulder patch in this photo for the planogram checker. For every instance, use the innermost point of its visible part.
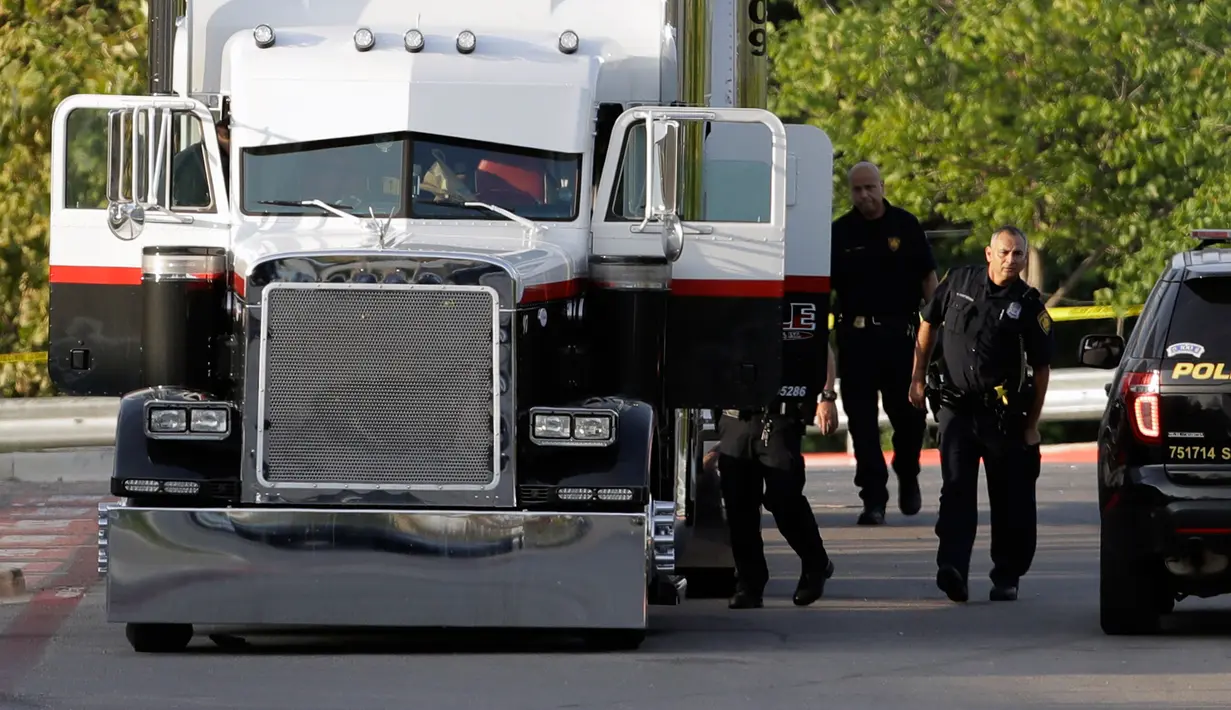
(1045, 321)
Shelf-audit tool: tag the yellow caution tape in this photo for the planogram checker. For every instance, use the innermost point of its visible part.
(1090, 312)
(23, 357)
(1071, 313)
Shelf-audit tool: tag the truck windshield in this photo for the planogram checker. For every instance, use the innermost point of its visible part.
(411, 175)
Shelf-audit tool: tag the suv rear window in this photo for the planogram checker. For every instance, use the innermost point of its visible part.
(1202, 310)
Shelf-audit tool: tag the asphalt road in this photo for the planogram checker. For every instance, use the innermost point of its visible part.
(884, 637)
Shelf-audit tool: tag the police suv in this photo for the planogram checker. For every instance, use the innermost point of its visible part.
(1164, 459)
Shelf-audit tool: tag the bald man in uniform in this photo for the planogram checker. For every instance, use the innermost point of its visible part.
(883, 271)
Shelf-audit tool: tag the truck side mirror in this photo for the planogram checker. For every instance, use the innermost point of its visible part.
(662, 178)
(664, 162)
(138, 142)
(117, 156)
(1101, 351)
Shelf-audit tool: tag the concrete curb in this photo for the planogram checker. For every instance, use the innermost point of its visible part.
(12, 582)
(84, 465)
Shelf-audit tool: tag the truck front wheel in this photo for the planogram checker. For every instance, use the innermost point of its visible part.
(158, 638)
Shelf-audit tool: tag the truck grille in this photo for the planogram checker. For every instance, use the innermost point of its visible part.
(378, 386)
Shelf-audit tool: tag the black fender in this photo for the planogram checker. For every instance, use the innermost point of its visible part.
(213, 463)
(628, 462)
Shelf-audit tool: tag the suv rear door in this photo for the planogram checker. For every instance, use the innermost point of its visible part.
(1195, 378)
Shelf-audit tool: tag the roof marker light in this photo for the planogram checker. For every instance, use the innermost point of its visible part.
(413, 40)
(466, 41)
(364, 40)
(569, 41)
(1211, 234)
(263, 35)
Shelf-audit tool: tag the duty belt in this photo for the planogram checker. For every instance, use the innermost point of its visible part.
(959, 401)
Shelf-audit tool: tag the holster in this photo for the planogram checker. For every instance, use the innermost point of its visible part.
(1009, 412)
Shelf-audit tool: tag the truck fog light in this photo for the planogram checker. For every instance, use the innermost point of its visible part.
(210, 421)
(141, 486)
(164, 420)
(575, 493)
(551, 426)
(592, 428)
(184, 487)
(615, 494)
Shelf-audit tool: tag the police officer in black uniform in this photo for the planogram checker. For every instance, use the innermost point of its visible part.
(883, 270)
(760, 459)
(997, 349)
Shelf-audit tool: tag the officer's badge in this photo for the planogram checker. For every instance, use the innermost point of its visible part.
(1045, 321)
(894, 243)
(1015, 310)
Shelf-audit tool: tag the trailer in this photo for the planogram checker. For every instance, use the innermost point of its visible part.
(417, 311)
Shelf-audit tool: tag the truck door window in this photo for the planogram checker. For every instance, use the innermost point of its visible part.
(735, 175)
(85, 160)
(189, 184)
(185, 184)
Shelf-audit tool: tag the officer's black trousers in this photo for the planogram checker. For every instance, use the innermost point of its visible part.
(877, 360)
(753, 473)
(1012, 470)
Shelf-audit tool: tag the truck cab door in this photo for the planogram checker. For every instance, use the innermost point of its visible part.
(737, 179)
(723, 331)
(127, 173)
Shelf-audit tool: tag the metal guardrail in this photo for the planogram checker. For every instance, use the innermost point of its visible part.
(67, 422)
(1073, 394)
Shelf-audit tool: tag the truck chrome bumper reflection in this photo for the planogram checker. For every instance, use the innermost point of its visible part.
(374, 568)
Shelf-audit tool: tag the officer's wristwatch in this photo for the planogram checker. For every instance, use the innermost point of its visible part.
(827, 396)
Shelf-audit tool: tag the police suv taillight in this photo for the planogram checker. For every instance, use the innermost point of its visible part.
(1140, 393)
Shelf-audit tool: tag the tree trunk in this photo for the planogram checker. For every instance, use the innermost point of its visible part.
(1034, 268)
(1071, 281)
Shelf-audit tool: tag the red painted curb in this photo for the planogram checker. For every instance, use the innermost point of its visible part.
(23, 641)
(1058, 453)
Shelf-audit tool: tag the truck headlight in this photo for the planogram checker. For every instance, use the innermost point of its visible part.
(167, 421)
(552, 426)
(572, 427)
(592, 428)
(187, 420)
(213, 421)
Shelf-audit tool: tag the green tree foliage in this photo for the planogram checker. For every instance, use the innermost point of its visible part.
(1098, 126)
(49, 50)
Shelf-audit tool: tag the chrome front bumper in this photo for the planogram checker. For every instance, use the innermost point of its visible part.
(375, 568)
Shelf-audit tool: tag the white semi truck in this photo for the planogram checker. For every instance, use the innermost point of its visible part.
(417, 310)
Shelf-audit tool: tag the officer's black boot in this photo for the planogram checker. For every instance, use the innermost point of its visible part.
(1004, 592)
(746, 599)
(951, 582)
(812, 585)
(872, 515)
(910, 498)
